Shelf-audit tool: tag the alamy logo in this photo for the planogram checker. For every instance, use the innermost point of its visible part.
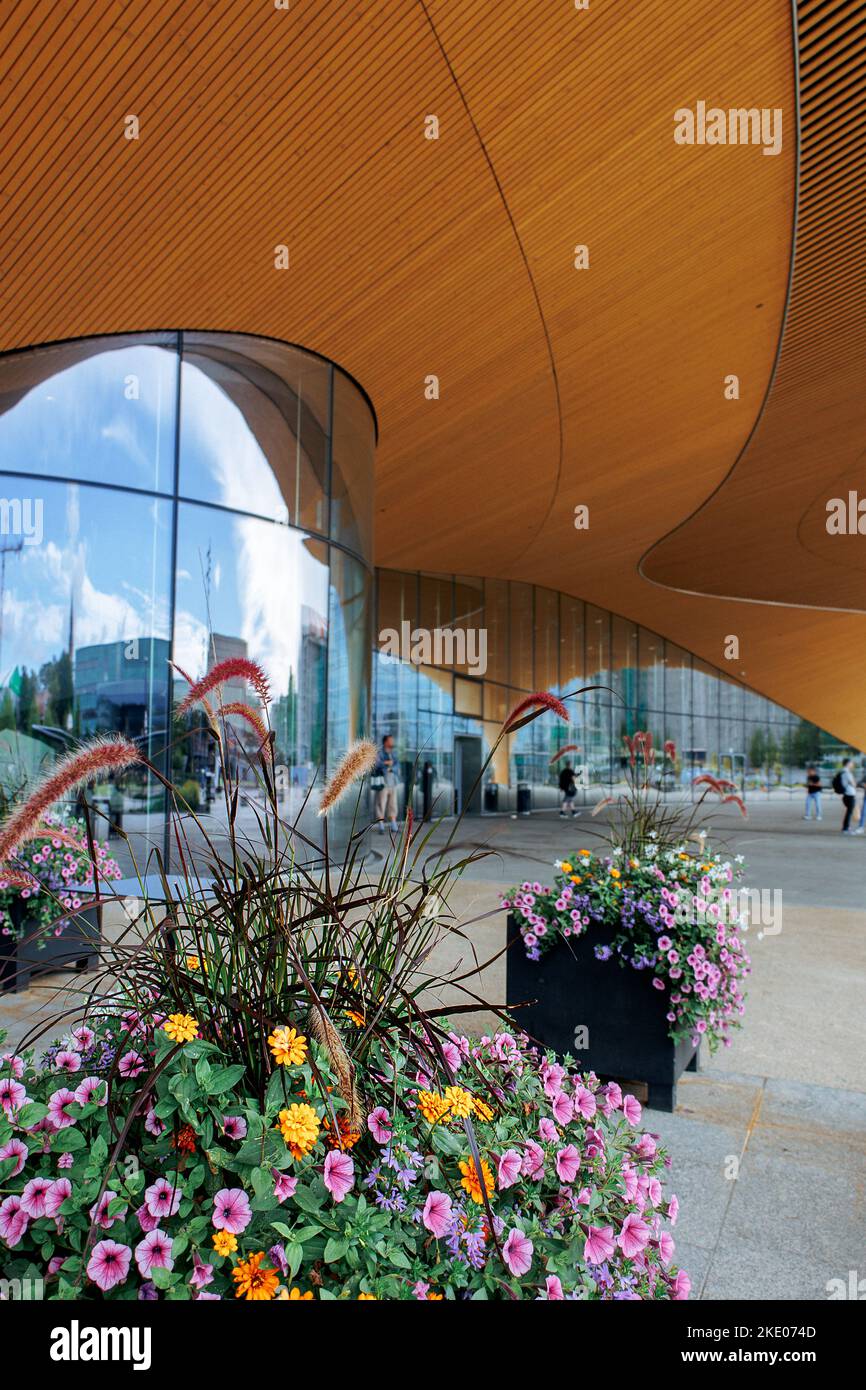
(846, 518)
(77, 1343)
(710, 125)
(855, 1287)
(28, 1290)
(22, 516)
(438, 646)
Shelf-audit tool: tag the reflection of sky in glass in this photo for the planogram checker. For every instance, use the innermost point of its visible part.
(265, 588)
(108, 418)
(103, 562)
(221, 459)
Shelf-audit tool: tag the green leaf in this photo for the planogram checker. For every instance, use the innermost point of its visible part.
(224, 1079)
(336, 1248)
(308, 1200)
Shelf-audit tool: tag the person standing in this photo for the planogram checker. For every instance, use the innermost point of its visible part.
(813, 793)
(384, 779)
(844, 784)
(861, 825)
(568, 788)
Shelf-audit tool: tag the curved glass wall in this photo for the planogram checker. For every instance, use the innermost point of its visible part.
(453, 655)
(183, 495)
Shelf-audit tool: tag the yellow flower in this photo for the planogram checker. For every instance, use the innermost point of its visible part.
(288, 1046)
(224, 1243)
(683, 856)
(470, 1180)
(435, 1297)
(481, 1108)
(295, 1296)
(575, 878)
(357, 1018)
(587, 853)
(299, 1126)
(254, 1283)
(566, 866)
(458, 1102)
(181, 1028)
(432, 1106)
(193, 963)
(615, 873)
(367, 1297)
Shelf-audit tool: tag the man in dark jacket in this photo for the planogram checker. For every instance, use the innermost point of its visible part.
(568, 788)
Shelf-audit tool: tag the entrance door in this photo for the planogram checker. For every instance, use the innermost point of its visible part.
(467, 770)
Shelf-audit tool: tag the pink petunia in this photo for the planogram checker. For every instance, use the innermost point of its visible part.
(563, 1108)
(547, 1130)
(56, 1195)
(673, 1209)
(67, 1061)
(682, 1286)
(508, 1170)
(452, 1057)
(533, 1160)
(517, 1252)
(666, 1247)
(284, 1186)
(599, 1244)
(153, 1124)
(100, 1215)
(339, 1175)
(154, 1252)
(83, 1038)
(65, 1161)
(631, 1109)
(14, 1220)
(633, 1236)
(12, 1095)
(614, 1094)
(91, 1089)
(436, 1215)
(162, 1198)
(568, 1163)
(15, 1063)
(145, 1220)
(131, 1064)
(109, 1264)
(234, 1127)
(14, 1148)
(379, 1124)
(202, 1273)
(33, 1197)
(553, 1289)
(58, 1112)
(231, 1210)
(584, 1102)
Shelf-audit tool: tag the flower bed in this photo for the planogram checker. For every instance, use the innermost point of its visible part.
(674, 915)
(58, 866)
(520, 1179)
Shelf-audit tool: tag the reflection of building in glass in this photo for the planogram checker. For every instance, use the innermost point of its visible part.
(122, 686)
(310, 738)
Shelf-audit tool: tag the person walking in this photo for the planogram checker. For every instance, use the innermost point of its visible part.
(568, 788)
(845, 786)
(813, 793)
(384, 780)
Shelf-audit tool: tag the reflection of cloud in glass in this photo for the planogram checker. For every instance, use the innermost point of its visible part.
(218, 442)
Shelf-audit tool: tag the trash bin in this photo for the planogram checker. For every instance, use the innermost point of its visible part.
(524, 798)
(426, 791)
(491, 796)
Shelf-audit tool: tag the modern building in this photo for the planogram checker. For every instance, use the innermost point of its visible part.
(575, 373)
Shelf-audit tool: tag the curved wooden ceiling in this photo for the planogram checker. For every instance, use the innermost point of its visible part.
(412, 257)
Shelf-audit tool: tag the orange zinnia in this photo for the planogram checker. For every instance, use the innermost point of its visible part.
(254, 1283)
(470, 1180)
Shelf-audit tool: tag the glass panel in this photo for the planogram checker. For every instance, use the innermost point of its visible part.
(470, 633)
(348, 654)
(354, 447)
(253, 431)
(468, 697)
(436, 614)
(228, 604)
(85, 642)
(730, 696)
(496, 622)
(625, 663)
(570, 644)
(521, 636)
(598, 647)
(546, 640)
(678, 680)
(651, 689)
(99, 411)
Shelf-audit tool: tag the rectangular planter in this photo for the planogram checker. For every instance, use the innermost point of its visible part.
(76, 949)
(569, 989)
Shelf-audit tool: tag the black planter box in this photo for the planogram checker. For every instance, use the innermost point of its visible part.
(76, 949)
(624, 1016)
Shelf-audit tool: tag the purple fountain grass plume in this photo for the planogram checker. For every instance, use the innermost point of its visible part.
(359, 759)
(252, 718)
(542, 699)
(71, 772)
(569, 748)
(232, 669)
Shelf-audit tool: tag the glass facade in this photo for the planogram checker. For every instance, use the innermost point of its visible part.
(189, 496)
(621, 677)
